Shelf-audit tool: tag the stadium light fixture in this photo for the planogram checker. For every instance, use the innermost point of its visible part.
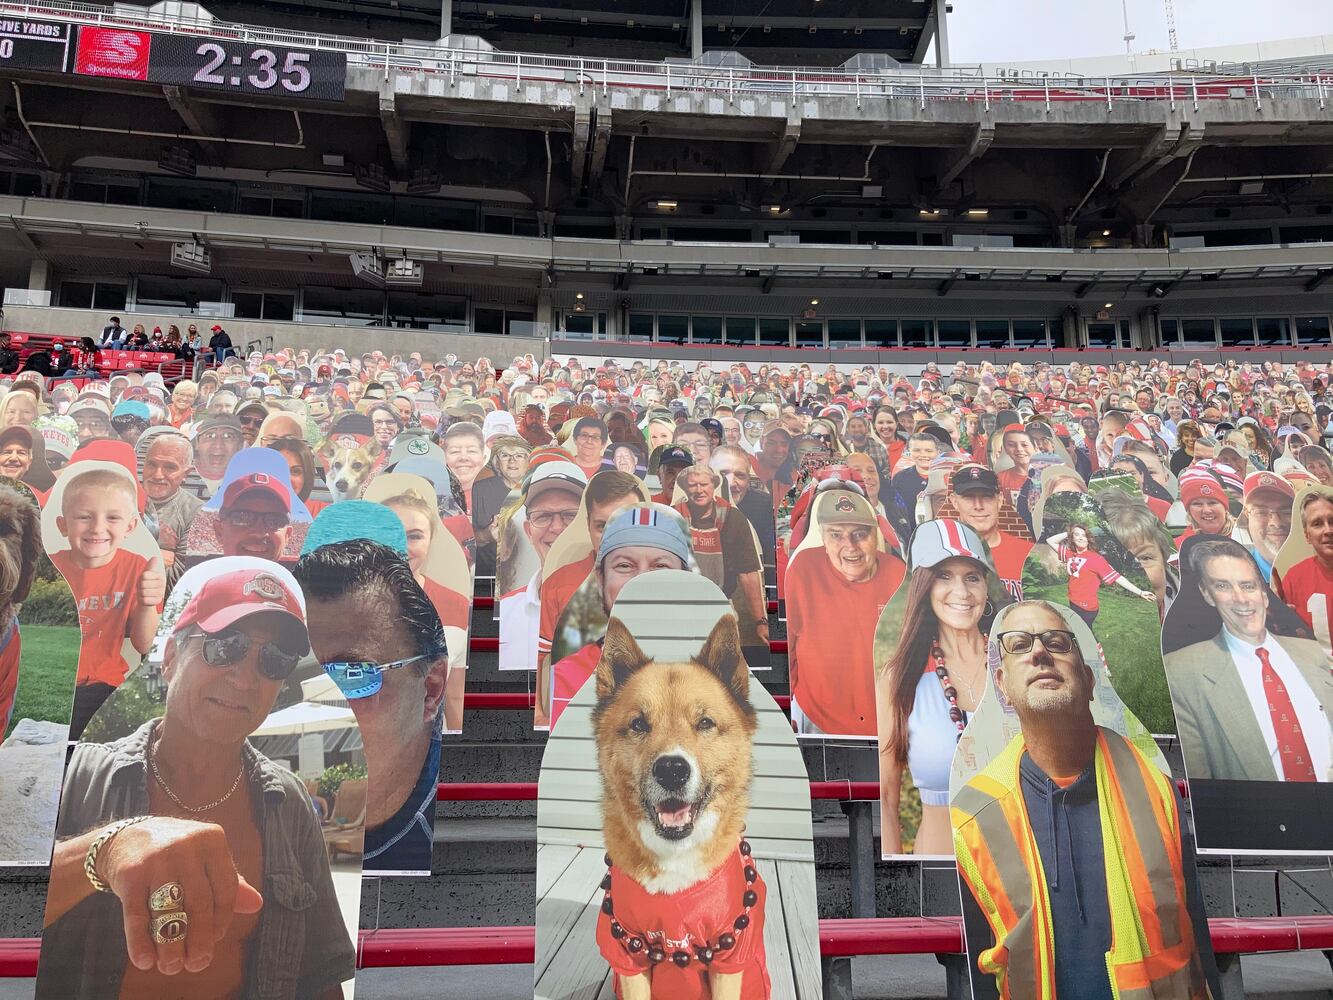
(579, 296)
(814, 302)
(1109, 305)
(978, 213)
(1106, 232)
(666, 206)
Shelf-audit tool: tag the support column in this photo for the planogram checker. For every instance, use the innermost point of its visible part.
(696, 29)
(446, 18)
(39, 276)
(941, 33)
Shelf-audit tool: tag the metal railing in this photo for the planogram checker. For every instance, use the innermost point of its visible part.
(919, 84)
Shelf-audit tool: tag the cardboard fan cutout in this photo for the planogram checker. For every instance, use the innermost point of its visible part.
(181, 813)
(254, 512)
(838, 581)
(667, 891)
(93, 531)
(1081, 563)
(39, 655)
(1076, 865)
(1252, 689)
(930, 675)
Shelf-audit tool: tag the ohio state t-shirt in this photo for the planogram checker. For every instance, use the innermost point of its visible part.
(1009, 554)
(1308, 590)
(1087, 572)
(831, 636)
(106, 598)
(697, 916)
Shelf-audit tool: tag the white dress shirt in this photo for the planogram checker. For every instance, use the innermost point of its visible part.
(520, 620)
(1311, 715)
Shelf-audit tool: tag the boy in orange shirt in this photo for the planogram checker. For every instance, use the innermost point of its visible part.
(118, 593)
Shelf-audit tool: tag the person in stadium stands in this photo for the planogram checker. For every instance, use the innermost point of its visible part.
(1205, 501)
(550, 505)
(694, 439)
(465, 455)
(1307, 587)
(1187, 435)
(941, 648)
(1072, 815)
(670, 463)
(368, 617)
(1266, 517)
(732, 462)
(978, 501)
(1142, 535)
(773, 460)
(160, 867)
(119, 593)
(92, 415)
(255, 517)
(835, 591)
(219, 344)
(906, 485)
(607, 493)
(725, 550)
(1250, 705)
(216, 442)
(637, 540)
(1088, 571)
(19, 409)
(1017, 447)
(167, 459)
(589, 440)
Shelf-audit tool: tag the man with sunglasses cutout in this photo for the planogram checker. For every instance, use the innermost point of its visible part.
(186, 805)
(380, 640)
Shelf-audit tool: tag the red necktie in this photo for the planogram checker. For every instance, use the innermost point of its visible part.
(1291, 745)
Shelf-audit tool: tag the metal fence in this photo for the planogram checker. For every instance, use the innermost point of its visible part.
(919, 84)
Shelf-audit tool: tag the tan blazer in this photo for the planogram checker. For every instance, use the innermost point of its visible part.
(1219, 735)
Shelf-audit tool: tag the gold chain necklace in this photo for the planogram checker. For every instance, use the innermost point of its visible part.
(157, 776)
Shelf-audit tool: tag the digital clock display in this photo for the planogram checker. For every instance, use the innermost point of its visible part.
(212, 64)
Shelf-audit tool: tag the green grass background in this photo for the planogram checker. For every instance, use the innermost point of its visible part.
(46, 673)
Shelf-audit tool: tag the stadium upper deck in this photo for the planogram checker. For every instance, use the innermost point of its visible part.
(607, 198)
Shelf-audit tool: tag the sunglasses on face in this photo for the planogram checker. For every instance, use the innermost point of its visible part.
(1056, 640)
(363, 679)
(268, 520)
(229, 647)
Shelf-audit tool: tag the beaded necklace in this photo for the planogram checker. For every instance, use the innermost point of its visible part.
(956, 715)
(635, 942)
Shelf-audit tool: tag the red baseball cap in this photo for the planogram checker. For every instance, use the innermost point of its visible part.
(228, 598)
(257, 481)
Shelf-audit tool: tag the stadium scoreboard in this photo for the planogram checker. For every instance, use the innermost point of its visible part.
(191, 61)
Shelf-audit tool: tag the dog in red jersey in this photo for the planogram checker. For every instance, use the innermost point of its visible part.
(683, 906)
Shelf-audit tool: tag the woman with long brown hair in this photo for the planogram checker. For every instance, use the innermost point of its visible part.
(935, 677)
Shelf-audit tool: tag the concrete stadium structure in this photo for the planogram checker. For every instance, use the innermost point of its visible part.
(667, 180)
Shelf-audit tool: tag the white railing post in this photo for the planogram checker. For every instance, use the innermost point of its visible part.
(921, 81)
(606, 76)
(1194, 88)
(518, 70)
(386, 60)
(731, 84)
(668, 79)
(1108, 95)
(793, 86)
(1319, 83)
(1046, 86)
(1258, 100)
(858, 91)
(1171, 86)
(580, 76)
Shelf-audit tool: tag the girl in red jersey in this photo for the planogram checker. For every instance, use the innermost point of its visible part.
(1088, 572)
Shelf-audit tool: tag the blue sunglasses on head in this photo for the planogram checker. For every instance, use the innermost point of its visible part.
(362, 679)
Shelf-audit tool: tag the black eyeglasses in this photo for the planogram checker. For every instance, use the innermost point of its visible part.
(1056, 640)
(227, 648)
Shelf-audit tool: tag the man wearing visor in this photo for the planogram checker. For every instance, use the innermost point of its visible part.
(182, 849)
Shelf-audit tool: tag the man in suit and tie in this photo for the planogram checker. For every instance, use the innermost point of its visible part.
(1250, 705)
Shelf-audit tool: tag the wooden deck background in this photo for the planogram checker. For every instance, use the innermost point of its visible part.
(670, 614)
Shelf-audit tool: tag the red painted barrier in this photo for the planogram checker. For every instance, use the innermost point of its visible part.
(526, 791)
(502, 700)
(441, 946)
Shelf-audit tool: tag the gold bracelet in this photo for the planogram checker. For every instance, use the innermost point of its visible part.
(102, 839)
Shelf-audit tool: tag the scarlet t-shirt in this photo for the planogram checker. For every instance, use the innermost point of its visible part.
(1012, 481)
(1087, 572)
(450, 605)
(106, 598)
(569, 675)
(1308, 590)
(831, 636)
(1009, 555)
(695, 917)
(556, 590)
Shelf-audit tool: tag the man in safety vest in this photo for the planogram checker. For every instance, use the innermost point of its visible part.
(1072, 844)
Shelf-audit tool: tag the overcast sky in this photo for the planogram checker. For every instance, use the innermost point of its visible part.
(990, 30)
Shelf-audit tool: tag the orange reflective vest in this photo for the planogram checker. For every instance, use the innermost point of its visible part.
(1153, 954)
